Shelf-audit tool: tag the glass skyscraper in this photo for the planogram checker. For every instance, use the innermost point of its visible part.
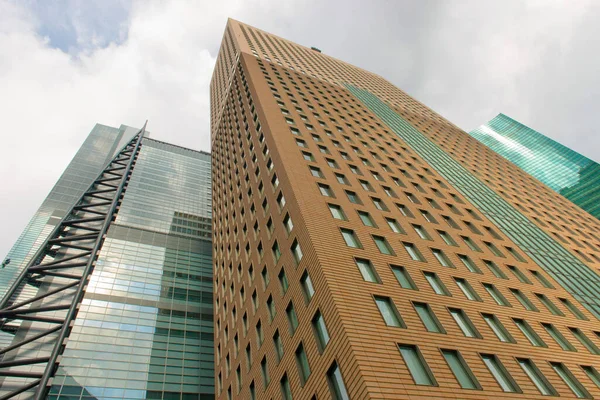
(144, 329)
(565, 171)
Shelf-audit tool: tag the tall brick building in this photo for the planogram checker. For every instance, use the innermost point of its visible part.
(367, 248)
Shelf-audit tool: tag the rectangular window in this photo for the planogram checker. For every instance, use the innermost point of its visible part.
(464, 323)
(316, 172)
(336, 383)
(467, 290)
(495, 269)
(460, 369)
(442, 258)
(447, 238)
(585, 341)
(572, 382)
(536, 377)
(435, 283)
(592, 373)
(418, 368)
(353, 197)
(367, 271)
(403, 277)
(383, 245)
(529, 333)
(470, 264)
(271, 308)
(286, 391)
(558, 337)
(572, 308)
(497, 327)
(278, 346)
(292, 318)
(302, 362)
(432, 324)
(471, 244)
(388, 311)
(307, 287)
(264, 369)
(501, 375)
(288, 224)
(379, 204)
(549, 304)
(405, 211)
(518, 274)
(366, 219)
(495, 294)
(394, 225)
(283, 281)
(542, 279)
(320, 330)
(325, 190)
(492, 247)
(350, 238)
(276, 252)
(421, 232)
(413, 252)
(342, 179)
(296, 252)
(337, 212)
(524, 300)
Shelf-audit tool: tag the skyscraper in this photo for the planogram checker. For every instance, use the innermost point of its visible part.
(563, 170)
(143, 326)
(366, 248)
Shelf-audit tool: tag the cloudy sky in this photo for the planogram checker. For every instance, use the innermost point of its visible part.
(67, 64)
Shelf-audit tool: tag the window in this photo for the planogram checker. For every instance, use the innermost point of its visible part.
(505, 381)
(342, 179)
(495, 269)
(259, 333)
(496, 295)
(367, 271)
(542, 279)
(529, 333)
(302, 362)
(316, 172)
(325, 190)
(403, 277)
(447, 238)
(307, 156)
(585, 341)
(571, 307)
(389, 312)
(296, 252)
(276, 252)
(536, 377)
(350, 238)
(264, 369)
(394, 225)
(497, 327)
(464, 323)
(292, 318)
(366, 185)
(288, 224)
(405, 211)
(383, 245)
(558, 337)
(416, 365)
(469, 263)
(337, 212)
(592, 373)
(432, 324)
(428, 217)
(336, 383)
(450, 222)
(572, 382)
(467, 290)
(518, 274)
(283, 281)
(271, 308)
(366, 219)
(320, 331)
(525, 302)
(442, 258)
(421, 232)
(286, 391)
(460, 369)
(436, 284)
(549, 304)
(353, 197)
(307, 286)
(413, 252)
(380, 205)
(471, 244)
(278, 345)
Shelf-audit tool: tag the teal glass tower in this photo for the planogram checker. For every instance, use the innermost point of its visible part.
(144, 327)
(563, 170)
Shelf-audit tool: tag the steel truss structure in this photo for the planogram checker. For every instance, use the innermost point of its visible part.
(40, 308)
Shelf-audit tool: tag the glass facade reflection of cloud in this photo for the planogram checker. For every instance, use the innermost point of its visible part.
(563, 170)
